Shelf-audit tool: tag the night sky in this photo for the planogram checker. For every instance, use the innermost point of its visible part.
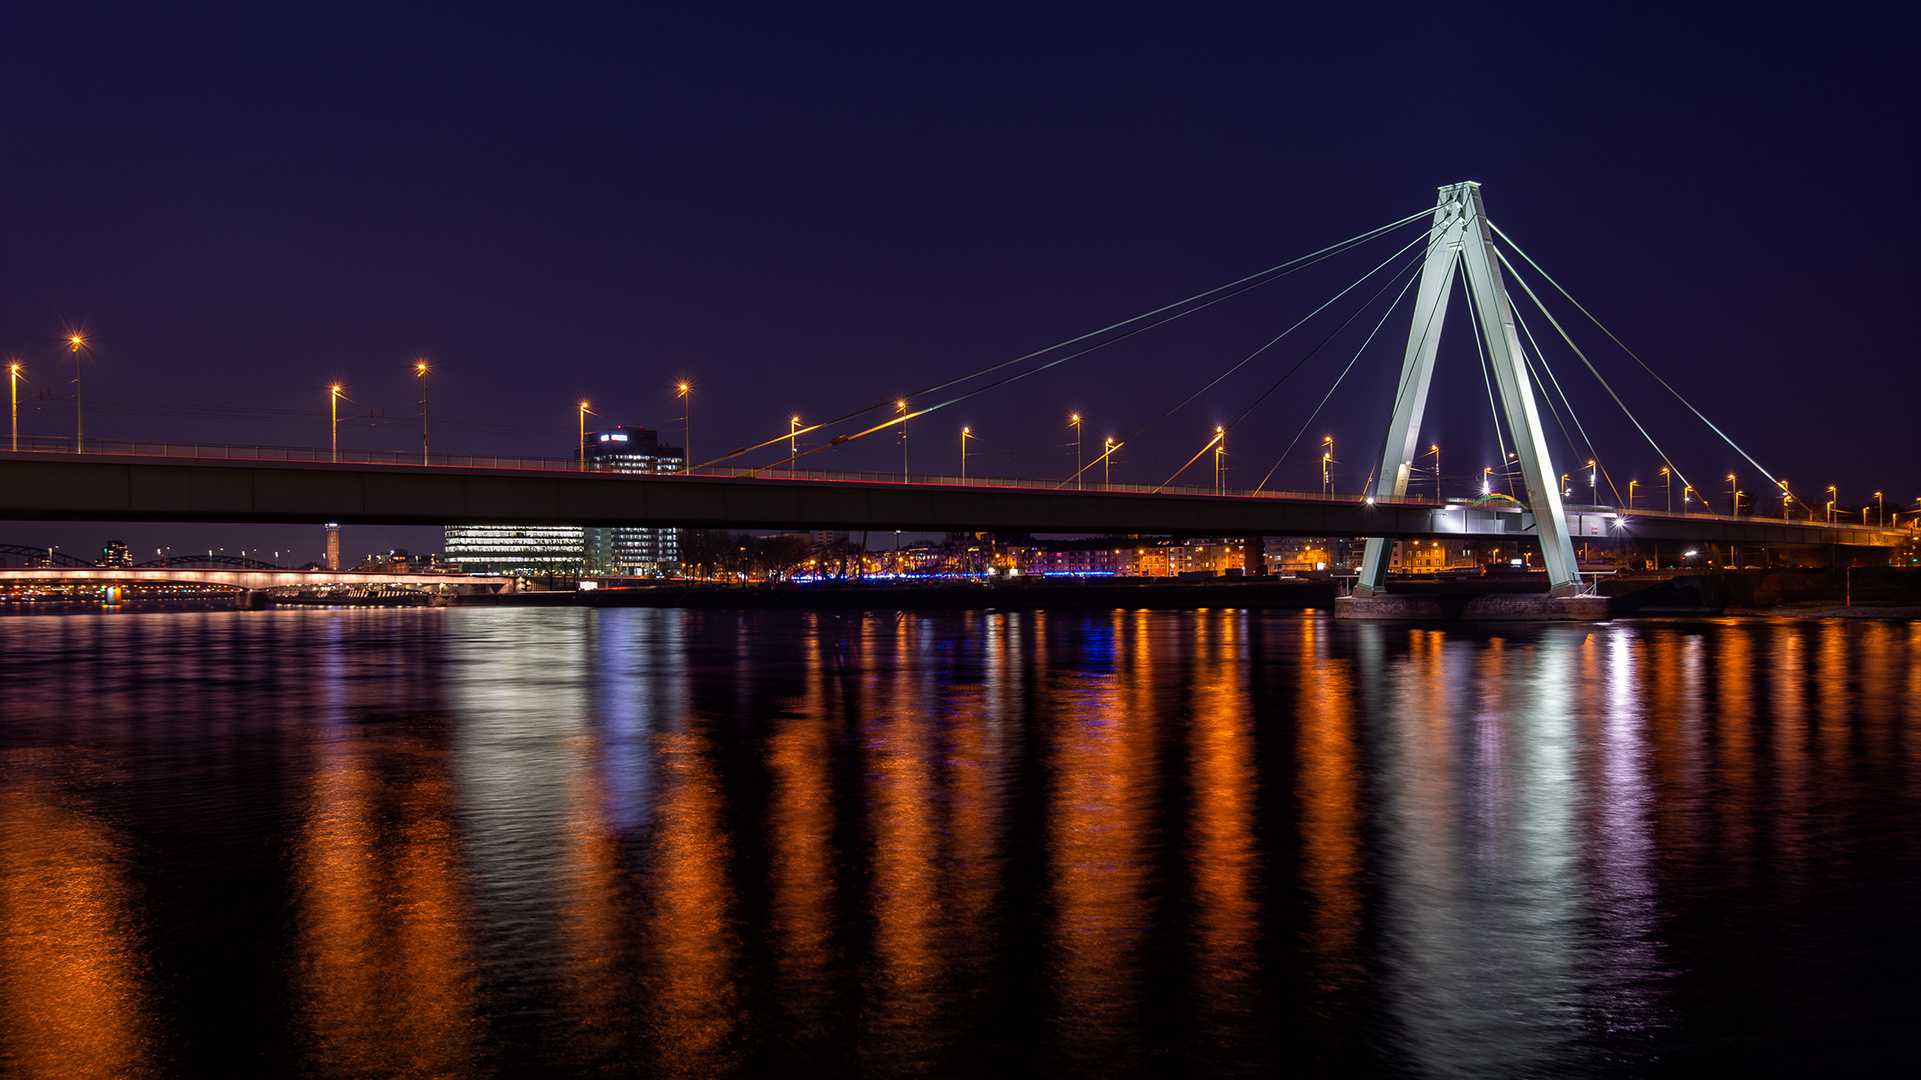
(804, 211)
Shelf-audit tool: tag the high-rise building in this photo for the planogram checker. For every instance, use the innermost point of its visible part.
(571, 549)
(624, 549)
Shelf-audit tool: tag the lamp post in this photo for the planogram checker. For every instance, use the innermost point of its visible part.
(793, 443)
(1833, 497)
(1074, 421)
(901, 407)
(1107, 461)
(1220, 445)
(1667, 484)
(1632, 484)
(1327, 465)
(1786, 499)
(1567, 488)
(1687, 496)
(1734, 498)
(584, 410)
(1880, 514)
(13, 388)
(1593, 472)
(686, 427)
(1435, 449)
(966, 434)
(333, 418)
(74, 345)
(420, 372)
(1487, 481)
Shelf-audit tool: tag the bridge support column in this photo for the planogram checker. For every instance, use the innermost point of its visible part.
(252, 600)
(1460, 236)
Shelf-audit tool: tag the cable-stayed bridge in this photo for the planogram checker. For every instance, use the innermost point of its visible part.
(773, 484)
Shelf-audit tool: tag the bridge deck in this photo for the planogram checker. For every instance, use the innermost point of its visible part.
(75, 487)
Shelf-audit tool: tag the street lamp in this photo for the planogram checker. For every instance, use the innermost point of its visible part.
(1786, 498)
(584, 410)
(1667, 484)
(901, 407)
(1567, 487)
(1487, 481)
(1436, 451)
(1220, 445)
(1327, 465)
(1107, 461)
(333, 418)
(13, 388)
(686, 428)
(1833, 497)
(420, 372)
(1074, 421)
(74, 345)
(1880, 517)
(793, 443)
(966, 434)
(1687, 496)
(1593, 471)
(1734, 497)
(1632, 484)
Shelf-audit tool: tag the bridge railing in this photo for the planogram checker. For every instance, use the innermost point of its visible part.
(322, 455)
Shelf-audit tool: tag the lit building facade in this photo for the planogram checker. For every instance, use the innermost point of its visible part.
(515, 550)
(623, 549)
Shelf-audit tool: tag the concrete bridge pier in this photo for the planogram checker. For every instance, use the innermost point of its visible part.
(252, 600)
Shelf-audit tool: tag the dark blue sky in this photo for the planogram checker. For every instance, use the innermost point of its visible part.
(809, 210)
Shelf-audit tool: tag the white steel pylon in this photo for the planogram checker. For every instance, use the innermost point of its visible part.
(1460, 234)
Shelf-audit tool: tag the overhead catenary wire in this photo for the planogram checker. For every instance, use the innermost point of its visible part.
(1179, 307)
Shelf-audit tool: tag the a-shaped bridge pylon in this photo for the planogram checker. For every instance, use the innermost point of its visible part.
(1460, 235)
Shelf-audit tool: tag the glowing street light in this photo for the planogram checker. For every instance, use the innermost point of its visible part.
(1833, 497)
(74, 345)
(420, 372)
(687, 427)
(966, 434)
(13, 387)
(1436, 451)
(1074, 422)
(1786, 498)
(1667, 484)
(1487, 480)
(584, 410)
(1593, 471)
(1107, 461)
(1220, 447)
(793, 443)
(1880, 516)
(1632, 484)
(1734, 497)
(1687, 496)
(901, 407)
(333, 418)
(1327, 465)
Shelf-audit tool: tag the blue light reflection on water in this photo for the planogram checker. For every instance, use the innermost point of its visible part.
(651, 841)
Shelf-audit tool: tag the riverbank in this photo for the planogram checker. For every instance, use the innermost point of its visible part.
(1159, 595)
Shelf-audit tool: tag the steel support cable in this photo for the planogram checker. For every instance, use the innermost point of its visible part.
(1569, 405)
(1325, 398)
(1311, 353)
(1400, 390)
(1637, 359)
(1474, 331)
(1231, 289)
(1432, 240)
(1189, 399)
(1629, 413)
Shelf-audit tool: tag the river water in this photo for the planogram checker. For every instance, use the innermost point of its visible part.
(461, 842)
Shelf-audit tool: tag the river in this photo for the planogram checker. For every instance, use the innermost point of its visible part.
(473, 842)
